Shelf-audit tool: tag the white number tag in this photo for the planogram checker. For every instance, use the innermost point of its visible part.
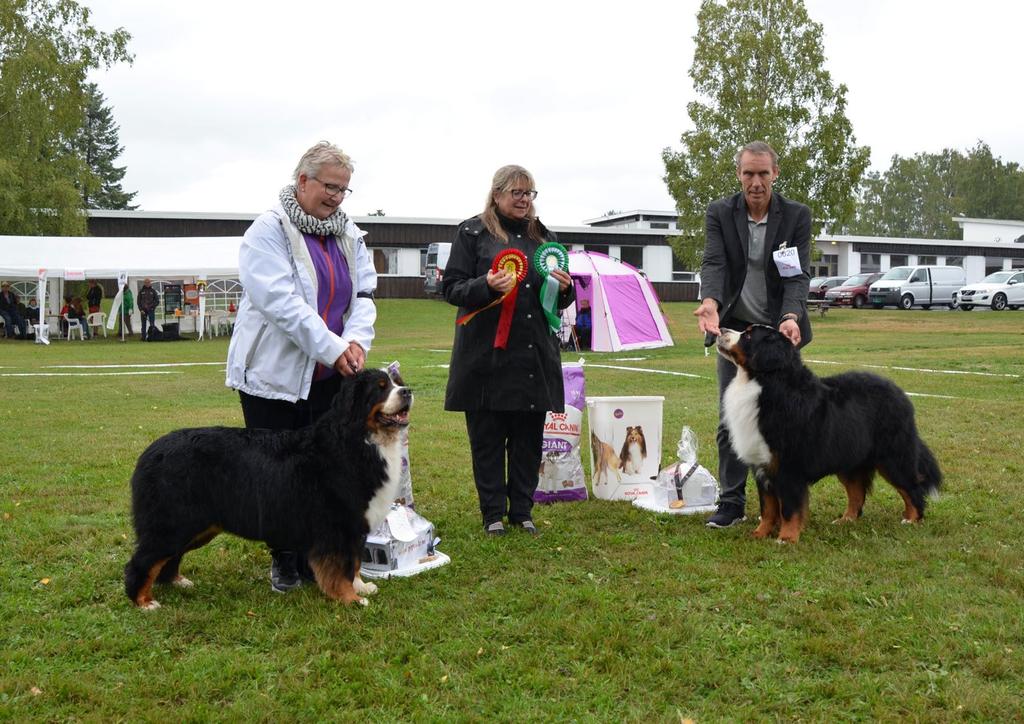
(787, 259)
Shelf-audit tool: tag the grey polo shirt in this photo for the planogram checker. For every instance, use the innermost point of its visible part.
(752, 306)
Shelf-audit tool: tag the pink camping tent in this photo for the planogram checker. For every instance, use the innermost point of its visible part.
(624, 307)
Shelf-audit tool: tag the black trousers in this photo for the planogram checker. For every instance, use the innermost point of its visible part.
(494, 437)
(260, 412)
(284, 415)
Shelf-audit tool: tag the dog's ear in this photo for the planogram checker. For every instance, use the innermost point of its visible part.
(770, 350)
(639, 430)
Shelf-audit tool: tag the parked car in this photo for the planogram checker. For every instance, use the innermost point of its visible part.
(922, 286)
(998, 290)
(854, 291)
(820, 285)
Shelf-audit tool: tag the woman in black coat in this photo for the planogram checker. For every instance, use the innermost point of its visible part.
(504, 377)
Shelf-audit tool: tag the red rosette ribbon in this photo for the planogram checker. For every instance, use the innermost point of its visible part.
(515, 262)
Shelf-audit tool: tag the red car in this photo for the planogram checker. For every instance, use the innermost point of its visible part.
(854, 291)
(820, 285)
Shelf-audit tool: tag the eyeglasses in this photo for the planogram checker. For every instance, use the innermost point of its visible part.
(519, 193)
(333, 189)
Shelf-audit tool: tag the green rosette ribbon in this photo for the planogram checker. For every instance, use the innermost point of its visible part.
(549, 256)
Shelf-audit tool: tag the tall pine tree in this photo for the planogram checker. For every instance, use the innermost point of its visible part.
(96, 143)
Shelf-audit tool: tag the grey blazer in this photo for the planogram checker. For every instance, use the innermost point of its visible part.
(725, 258)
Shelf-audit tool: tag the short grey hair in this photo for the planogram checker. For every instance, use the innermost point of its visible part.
(322, 153)
(757, 147)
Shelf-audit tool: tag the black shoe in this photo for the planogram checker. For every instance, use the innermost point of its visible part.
(284, 576)
(527, 526)
(495, 528)
(728, 514)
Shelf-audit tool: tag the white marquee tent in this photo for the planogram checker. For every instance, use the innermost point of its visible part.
(22, 257)
(52, 259)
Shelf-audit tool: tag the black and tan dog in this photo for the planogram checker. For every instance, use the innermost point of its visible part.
(794, 428)
(320, 489)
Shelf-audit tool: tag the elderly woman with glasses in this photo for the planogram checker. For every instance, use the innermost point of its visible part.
(306, 317)
(505, 371)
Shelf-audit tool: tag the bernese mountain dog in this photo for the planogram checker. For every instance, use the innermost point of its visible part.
(320, 489)
(794, 428)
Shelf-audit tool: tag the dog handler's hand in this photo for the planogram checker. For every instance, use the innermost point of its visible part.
(791, 330)
(351, 360)
(707, 316)
(501, 281)
(563, 278)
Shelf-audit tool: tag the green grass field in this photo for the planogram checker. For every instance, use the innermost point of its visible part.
(611, 614)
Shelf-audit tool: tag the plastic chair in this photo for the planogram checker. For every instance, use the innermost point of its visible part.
(98, 319)
(218, 320)
(74, 326)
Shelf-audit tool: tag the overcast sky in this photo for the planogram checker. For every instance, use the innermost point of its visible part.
(430, 98)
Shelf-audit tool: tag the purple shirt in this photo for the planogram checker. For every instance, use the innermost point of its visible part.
(334, 288)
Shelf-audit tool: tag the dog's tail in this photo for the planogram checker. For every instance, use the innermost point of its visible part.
(929, 475)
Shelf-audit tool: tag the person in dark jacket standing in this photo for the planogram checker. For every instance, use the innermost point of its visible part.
(504, 377)
(94, 296)
(147, 301)
(744, 283)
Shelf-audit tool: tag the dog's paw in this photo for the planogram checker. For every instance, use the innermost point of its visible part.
(907, 521)
(843, 519)
(365, 587)
(150, 605)
(362, 601)
(182, 582)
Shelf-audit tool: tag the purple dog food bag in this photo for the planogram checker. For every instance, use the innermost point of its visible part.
(561, 477)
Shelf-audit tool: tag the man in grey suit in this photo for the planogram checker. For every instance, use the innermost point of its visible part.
(743, 284)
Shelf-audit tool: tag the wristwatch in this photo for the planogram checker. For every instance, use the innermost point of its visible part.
(789, 315)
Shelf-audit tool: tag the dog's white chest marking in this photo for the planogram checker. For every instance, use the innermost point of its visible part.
(380, 504)
(634, 460)
(741, 409)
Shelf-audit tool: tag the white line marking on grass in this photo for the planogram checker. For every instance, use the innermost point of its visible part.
(916, 369)
(82, 374)
(628, 359)
(154, 364)
(925, 394)
(644, 369)
(446, 351)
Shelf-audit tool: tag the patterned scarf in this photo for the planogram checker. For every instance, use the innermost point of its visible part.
(332, 225)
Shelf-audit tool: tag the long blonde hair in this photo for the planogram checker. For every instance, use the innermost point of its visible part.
(504, 179)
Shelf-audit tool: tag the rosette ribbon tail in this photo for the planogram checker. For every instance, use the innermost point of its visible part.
(549, 303)
(508, 308)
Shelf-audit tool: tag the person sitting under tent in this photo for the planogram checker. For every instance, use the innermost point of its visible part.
(14, 323)
(583, 324)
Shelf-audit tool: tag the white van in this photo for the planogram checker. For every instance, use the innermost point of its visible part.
(921, 286)
(437, 259)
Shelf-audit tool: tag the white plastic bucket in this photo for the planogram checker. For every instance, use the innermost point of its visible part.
(625, 446)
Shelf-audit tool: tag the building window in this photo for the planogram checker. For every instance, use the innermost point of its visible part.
(897, 260)
(992, 265)
(680, 273)
(830, 262)
(385, 260)
(659, 224)
(423, 262)
(925, 259)
(632, 255)
(600, 248)
(954, 261)
(870, 262)
(1017, 264)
